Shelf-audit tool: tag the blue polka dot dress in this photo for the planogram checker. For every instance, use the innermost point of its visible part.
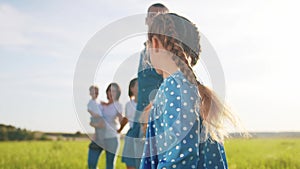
(173, 133)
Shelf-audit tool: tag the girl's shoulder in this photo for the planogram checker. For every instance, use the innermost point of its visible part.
(175, 81)
(177, 84)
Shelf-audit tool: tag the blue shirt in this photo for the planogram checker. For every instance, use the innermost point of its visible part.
(148, 84)
(173, 133)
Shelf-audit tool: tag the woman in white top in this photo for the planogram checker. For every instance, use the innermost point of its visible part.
(130, 109)
(113, 122)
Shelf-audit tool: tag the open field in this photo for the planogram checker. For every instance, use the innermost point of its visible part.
(242, 154)
(263, 153)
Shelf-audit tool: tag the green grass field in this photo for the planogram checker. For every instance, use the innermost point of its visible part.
(241, 154)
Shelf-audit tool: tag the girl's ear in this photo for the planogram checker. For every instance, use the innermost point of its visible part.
(155, 44)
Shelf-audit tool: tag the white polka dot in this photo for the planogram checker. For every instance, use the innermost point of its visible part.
(166, 100)
(202, 152)
(171, 128)
(191, 136)
(166, 89)
(177, 147)
(214, 154)
(191, 123)
(172, 93)
(171, 104)
(177, 122)
(185, 91)
(184, 116)
(162, 124)
(178, 109)
(160, 136)
(191, 110)
(184, 80)
(184, 128)
(170, 152)
(192, 158)
(192, 98)
(207, 149)
(184, 141)
(164, 168)
(183, 162)
(174, 166)
(181, 155)
(170, 137)
(193, 166)
(177, 134)
(171, 116)
(165, 144)
(172, 160)
(204, 165)
(153, 126)
(160, 149)
(216, 167)
(178, 97)
(178, 86)
(172, 81)
(153, 162)
(209, 162)
(185, 103)
(190, 150)
(196, 131)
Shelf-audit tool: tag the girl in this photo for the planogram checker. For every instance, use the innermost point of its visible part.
(185, 128)
(130, 109)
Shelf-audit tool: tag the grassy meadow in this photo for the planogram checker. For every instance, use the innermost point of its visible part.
(241, 154)
(263, 153)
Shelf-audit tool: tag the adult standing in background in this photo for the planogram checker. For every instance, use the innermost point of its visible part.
(148, 83)
(112, 115)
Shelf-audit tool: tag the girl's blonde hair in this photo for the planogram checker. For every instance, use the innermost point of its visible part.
(181, 37)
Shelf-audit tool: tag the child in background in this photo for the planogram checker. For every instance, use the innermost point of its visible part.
(95, 109)
(130, 109)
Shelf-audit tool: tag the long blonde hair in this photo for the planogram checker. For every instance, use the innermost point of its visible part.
(181, 37)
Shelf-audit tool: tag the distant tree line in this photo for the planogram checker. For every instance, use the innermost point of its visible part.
(11, 133)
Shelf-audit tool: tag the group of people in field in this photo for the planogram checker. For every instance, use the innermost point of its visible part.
(175, 121)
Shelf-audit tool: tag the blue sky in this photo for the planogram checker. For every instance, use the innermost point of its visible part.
(41, 41)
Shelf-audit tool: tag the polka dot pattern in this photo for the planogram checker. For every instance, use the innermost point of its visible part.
(173, 136)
